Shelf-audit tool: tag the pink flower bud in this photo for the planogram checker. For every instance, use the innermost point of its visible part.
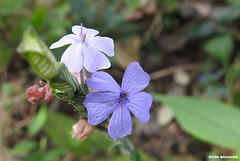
(34, 93)
(81, 129)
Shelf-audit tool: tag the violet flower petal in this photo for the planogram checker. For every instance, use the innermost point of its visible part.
(100, 105)
(104, 44)
(135, 79)
(72, 58)
(139, 105)
(94, 59)
(104, 82)
(90, 33)
(120, 124)
(65, 40)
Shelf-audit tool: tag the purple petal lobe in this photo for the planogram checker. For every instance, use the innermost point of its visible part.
(135, 78)
(139, 104)
(72, 58)
(104, 44)
(68, 39)
(121, 123)
(90, 33)
(94, 59)
(100, 105)
(104, 82)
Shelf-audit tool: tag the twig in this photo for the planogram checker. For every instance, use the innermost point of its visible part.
(171, 70)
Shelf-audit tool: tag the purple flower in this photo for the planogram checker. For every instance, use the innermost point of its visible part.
(122, 101)
(86, 50)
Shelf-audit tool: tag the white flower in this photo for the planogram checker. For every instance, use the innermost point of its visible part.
(86, 50)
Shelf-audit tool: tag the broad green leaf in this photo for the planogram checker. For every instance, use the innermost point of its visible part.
(220, 47)
(207, 120)
(64, 85)
(38, 121)
(38, 55)
(24, 147)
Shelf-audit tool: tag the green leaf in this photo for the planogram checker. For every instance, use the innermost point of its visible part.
(64, 85)
(59, 128)
(39, 17)
(35, 155)
(132, 4)
(24, 147)
(5, 54)
(11, 6)
(7, 88)
(126, 158)
(199, 30)
(53, 154)
(207, 120)
(180, 158)
(220, 47)
(38, 121)
(38, 54)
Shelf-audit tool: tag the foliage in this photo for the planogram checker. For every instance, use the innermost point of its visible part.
(220, 47)
(210, 120)
(210, 37)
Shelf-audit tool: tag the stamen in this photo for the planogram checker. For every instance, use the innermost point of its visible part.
(83, 38)
(122, 98)
(81, 31)
(123, 94)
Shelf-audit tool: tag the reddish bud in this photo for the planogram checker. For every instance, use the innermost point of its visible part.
(81, 129)
(34, 93)
(48, 96)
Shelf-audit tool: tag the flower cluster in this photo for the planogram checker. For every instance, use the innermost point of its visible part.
(87, 52)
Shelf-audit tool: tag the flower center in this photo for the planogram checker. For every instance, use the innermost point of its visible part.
(123, 95)
(122, 98)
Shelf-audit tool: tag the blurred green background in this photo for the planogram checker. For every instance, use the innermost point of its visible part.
(188, 47)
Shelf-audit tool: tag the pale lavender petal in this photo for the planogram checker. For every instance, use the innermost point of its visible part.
(72, 58)
(90, 33)
(68, 39)
(94, 59)
(100, 105)
(139, 104)
(121, 123)
(104, 44)
(135, 78)
(104, 82)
